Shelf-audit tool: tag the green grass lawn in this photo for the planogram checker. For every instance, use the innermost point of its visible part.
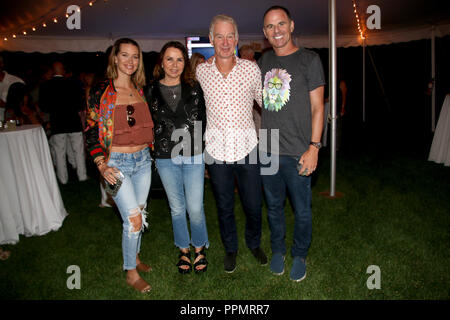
(394, 214)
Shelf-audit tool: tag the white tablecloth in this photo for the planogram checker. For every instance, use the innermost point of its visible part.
(440, 147)
(30, 201)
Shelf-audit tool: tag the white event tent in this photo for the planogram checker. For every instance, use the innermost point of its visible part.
(318, 24)
(152, 22)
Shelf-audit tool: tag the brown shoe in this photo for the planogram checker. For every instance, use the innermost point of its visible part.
(140, 285)
(143, 267)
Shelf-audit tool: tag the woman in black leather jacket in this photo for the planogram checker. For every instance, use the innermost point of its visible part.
(178, 110)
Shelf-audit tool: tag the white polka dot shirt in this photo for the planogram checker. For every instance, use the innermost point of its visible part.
(230, 130)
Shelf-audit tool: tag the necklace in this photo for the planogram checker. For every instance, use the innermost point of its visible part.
(172, 90)
(223, 73)
(174, 95)
(125, 90)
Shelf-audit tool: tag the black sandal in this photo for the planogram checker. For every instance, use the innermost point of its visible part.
(201, 262)
(183, 262)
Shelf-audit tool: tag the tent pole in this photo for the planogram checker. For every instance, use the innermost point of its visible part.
(379, 80)
(433, 77)
(332, 95)
(364, 79)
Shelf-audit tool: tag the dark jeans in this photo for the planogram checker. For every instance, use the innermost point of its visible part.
(299, 188)
(249, 183)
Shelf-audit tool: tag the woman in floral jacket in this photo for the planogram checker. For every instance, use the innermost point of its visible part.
(119, 130)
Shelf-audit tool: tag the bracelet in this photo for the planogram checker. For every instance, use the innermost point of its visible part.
(100, 163)
(102, 167)
(99, 160)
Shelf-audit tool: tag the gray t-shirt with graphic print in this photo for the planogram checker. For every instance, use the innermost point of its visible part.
(287, 81)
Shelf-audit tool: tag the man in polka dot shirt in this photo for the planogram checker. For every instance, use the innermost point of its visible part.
(230, 85)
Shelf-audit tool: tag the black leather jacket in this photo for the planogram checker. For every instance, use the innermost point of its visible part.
(180, 131)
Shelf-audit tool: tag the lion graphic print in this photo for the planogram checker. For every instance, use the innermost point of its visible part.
(276, 90)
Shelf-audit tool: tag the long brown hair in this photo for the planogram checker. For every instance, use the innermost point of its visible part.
(187, 76)
(138, 76)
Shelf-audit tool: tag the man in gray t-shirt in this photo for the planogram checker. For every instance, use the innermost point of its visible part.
(293, 83)
(288, 108)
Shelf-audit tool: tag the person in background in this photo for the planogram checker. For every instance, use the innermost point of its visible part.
(178, 110)
(341, 103)
(246, 52)
(89, 81)
(45, 73)
(31, 114)
(196, 59)
(20, 107)
(6, 80)
(14, 102)
(62, 99)
(119, 131)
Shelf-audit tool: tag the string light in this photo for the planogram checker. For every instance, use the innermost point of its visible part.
(43, 23)
(358, 21)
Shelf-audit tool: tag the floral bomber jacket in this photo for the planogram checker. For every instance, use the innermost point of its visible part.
(100, 118)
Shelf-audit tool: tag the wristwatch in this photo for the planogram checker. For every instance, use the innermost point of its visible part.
(318, 145)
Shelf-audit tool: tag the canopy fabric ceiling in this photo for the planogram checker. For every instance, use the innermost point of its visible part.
(153, 22)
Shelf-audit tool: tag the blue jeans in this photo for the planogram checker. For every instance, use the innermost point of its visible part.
(183, 181)
(248, 178)
(131, 200)
(299, 188)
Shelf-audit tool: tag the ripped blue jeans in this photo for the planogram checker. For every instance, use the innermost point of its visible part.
(131, 200)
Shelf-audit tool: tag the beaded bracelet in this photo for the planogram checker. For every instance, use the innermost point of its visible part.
(100, 161)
